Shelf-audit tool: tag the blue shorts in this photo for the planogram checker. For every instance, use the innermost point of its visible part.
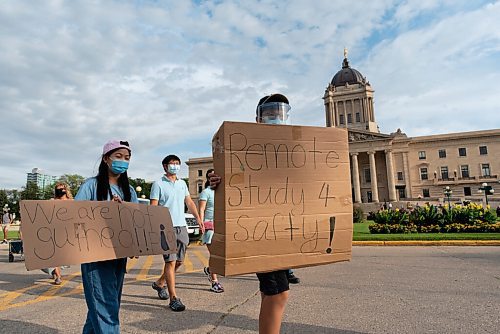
(206, 239)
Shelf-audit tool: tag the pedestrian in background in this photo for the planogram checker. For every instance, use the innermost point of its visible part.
(6, 221)
(206, 205)
(62, 192)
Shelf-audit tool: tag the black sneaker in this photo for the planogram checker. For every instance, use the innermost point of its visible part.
(176, 305)
(162, 292)
(217, 287)
(292, 279)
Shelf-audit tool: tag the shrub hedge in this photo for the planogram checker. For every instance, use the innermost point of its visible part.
(470, 218)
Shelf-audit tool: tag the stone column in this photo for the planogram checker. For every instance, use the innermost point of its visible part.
(373, 174)
(336, 115)
(355, 178)
(406, 169)
(390, 176)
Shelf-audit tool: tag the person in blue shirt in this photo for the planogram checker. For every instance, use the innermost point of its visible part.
(206, 205)
(103, 280)
(172, 192)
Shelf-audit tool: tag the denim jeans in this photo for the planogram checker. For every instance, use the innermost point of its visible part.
(102, 285)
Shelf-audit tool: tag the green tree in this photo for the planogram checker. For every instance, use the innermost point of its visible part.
(145, 186)
(13, 202)
(3, 198)
(73, 180)
(31, 191)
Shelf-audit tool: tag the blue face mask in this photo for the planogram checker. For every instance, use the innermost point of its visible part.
(119, 166)
(267, 120)
(173, 169)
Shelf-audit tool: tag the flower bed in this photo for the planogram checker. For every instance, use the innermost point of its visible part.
(471, 218)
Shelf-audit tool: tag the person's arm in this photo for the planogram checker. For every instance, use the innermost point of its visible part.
(203, 204)
(192, 208)
(154, 196)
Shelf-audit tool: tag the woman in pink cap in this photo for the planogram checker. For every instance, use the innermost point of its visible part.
(103, 280)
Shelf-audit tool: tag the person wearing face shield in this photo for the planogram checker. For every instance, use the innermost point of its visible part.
(172, 192)
(274, 286)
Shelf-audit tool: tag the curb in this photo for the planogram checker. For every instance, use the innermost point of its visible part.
(429, 243)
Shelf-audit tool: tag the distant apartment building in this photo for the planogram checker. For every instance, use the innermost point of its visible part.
(40, 179)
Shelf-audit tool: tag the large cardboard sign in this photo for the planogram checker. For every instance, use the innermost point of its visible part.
(284, 200)
(59, 233)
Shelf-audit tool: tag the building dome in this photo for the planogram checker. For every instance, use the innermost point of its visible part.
(348, 75)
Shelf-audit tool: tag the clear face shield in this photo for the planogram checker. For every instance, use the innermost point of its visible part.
(274, 113)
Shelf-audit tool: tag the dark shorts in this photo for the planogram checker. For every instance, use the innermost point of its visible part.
(182, 237)
(273, 283)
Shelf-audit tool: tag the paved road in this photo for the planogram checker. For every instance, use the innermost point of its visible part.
(383, 290)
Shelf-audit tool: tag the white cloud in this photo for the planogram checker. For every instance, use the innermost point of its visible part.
(165, 75)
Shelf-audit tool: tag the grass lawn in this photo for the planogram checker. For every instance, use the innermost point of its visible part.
(11, 234)
(361, 233)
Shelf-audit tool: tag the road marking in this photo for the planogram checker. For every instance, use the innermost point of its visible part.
(7, 299)
(142, 276)
(203, 259)
(188, 265)
(49, 294)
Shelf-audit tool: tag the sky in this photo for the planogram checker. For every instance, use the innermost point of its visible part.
(164, 75)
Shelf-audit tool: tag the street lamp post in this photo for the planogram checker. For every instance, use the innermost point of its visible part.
(488, 190)
(447, 192)
(139, 189)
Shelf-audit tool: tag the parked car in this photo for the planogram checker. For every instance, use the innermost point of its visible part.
(192, 225)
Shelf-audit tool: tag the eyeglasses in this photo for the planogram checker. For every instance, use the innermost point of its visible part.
(124, 143)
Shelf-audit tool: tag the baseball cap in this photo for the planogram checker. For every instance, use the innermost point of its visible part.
(114, 144)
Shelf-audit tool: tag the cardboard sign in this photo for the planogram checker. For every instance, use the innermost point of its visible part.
(59, 233)
(284, 200)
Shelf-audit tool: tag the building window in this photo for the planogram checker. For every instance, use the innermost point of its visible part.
(368, 176)
(421, 155)
(349, 118)
(442, 153)
(462, 152)
(486, 169)
(358, 117)
(341, 119)
(483, 150)
(200, 187)
(423, 173)
(425, 192)
(402, 193)
(200, 172)
(464, 171)
(444, 172)
(467, 191)
(400, 176)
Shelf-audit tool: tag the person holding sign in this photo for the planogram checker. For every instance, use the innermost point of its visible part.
(206, 204)
(172, 192)
(103, 280)
(274, 286)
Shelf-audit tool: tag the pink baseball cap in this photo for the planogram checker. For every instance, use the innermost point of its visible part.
(114, 144)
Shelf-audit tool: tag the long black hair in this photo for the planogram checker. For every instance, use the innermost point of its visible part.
(103, 188)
